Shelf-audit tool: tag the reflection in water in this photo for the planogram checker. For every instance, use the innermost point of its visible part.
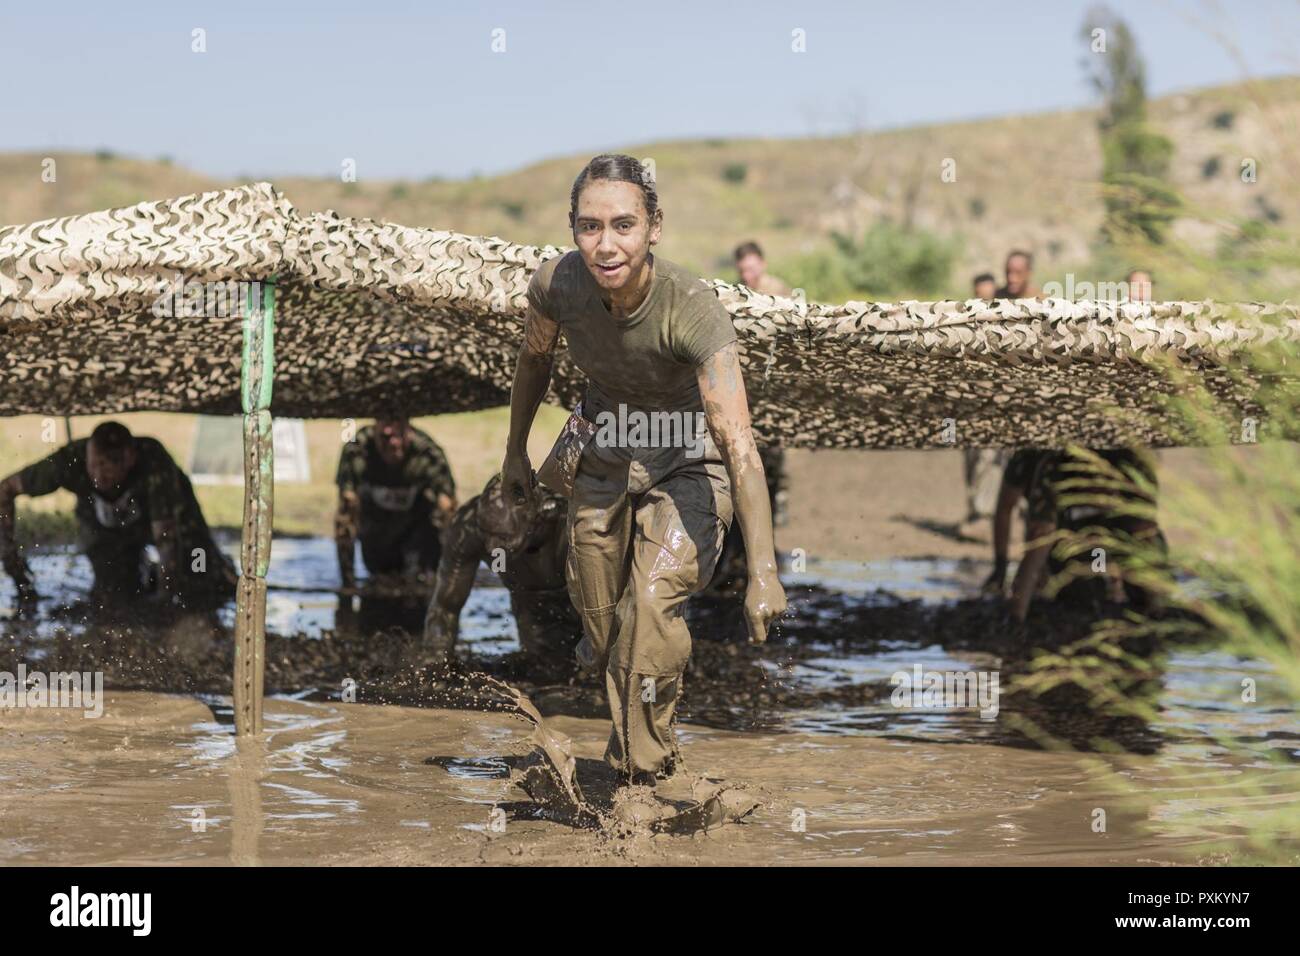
(828, 670)
(244, 774)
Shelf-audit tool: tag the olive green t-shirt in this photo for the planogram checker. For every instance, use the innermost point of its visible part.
(648, 360)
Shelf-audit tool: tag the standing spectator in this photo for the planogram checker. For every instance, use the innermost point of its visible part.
(752, 268)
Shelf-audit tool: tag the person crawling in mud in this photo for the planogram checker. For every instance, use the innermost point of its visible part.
(395, 494)
(1037, 476)
(647, 519)
(526, 547)
(130, 495)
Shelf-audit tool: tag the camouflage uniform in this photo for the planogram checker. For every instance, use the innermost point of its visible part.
(398, 504)
(646, 519)
(1039, 473)
(1036, 471)
(114, 533)
(548, 625)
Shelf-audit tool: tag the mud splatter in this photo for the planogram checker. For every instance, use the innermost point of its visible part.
(550, 780)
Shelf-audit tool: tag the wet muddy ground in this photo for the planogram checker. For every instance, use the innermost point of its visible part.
(805, 723)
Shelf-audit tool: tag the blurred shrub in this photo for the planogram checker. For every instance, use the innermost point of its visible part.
(1223, 119)
(735, 172)
(1140, 202)
(888, 261)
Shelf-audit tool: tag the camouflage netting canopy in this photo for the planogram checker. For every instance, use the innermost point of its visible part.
(373, 316)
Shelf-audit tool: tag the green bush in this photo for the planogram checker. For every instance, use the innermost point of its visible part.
(888, 261)
(735, 172)
(819, 275)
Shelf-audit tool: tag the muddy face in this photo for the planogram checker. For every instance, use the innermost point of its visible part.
(393, 437)
(506, 528)
(108, 470)
(614, 233)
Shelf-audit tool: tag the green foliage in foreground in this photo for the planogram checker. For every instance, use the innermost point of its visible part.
(1237, 587)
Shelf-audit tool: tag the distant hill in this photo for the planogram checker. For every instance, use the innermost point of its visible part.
(1028, 181)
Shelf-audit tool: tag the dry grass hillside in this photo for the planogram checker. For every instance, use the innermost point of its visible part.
(1026, 181)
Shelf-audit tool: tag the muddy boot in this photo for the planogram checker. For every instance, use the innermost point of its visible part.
(635, 807)
(640, 778)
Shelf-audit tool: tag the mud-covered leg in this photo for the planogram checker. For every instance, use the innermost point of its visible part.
(680, 525)
(596, 568)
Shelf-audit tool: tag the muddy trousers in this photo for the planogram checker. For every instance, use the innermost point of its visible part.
(635, 554)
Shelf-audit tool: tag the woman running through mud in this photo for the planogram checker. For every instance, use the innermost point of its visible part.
(652, 495)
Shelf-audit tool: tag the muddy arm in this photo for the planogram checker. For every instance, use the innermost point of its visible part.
(1008, 496)
(10, 489)
(347, 525)
(461, 554)
(444, 510)
(532, 379)
(10, 558)
(726, 408)
(1032, 567)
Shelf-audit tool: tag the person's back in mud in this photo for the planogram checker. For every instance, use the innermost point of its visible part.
(132, 498)
(527, 549)
(395, 494)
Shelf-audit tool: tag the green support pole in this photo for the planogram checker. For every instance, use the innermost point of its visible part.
(256, 374)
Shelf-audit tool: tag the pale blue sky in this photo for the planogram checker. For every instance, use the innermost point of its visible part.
(414, 90)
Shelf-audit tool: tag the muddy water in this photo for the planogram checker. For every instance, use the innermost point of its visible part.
(805, 722)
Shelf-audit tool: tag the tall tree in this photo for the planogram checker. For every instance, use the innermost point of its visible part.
(1140, 202)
